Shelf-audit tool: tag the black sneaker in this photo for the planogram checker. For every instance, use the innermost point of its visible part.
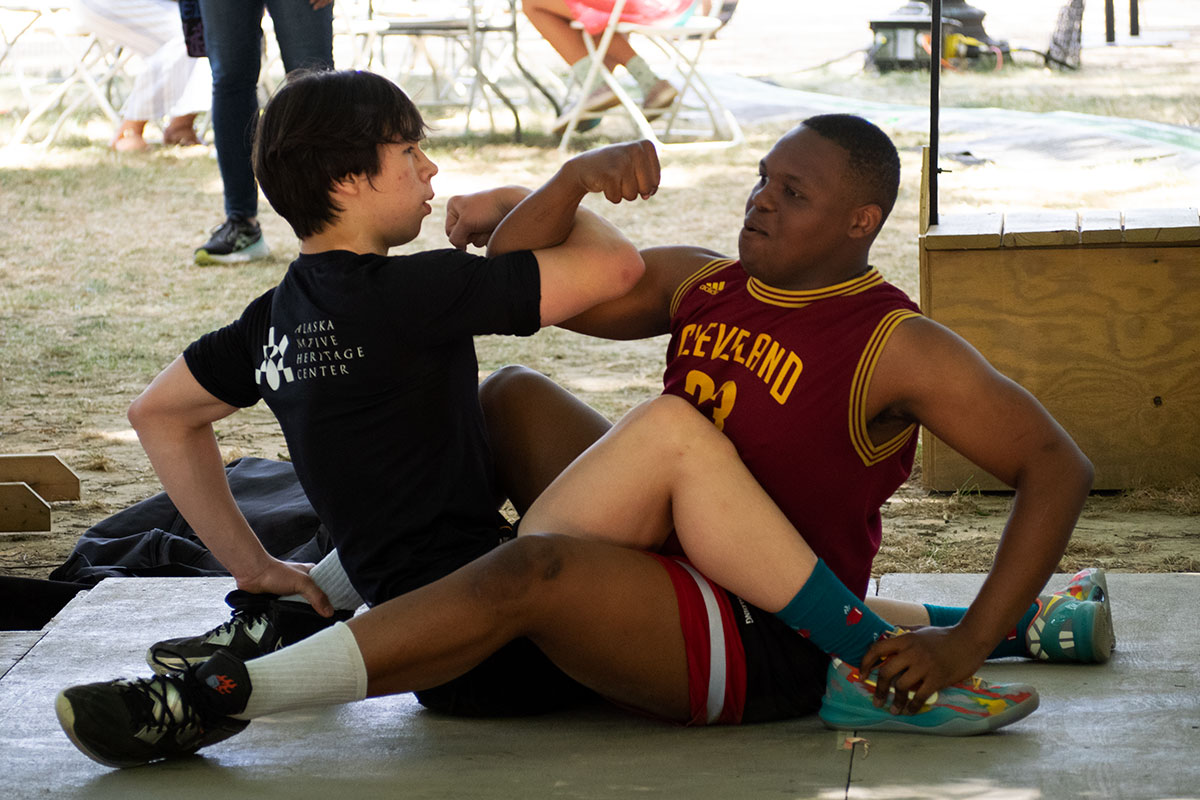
(232, 242)
(261, 624)
(127, 723)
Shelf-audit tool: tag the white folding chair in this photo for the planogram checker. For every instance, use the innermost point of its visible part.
(461, 49)
(85, 60)
(697, 118)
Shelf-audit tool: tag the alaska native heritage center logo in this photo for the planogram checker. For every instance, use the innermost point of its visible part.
(272, 364)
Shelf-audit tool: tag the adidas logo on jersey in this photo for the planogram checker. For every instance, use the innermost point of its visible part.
(713, 287)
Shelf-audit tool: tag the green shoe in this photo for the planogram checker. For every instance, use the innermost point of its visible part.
(1065, 629)
(964, 709)
(234, 241)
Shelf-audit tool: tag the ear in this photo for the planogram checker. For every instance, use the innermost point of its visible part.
(865, 221)
(348, 186)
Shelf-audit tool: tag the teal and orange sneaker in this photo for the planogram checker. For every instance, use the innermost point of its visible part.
(1075, 623)
(1087, 584)
(963, 709)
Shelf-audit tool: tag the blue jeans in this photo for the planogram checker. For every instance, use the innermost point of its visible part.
(233, 36)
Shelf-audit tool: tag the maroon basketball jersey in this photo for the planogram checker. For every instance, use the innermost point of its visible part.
(785, 375)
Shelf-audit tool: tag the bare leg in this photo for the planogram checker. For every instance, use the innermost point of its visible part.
(553, 21)
(665, 467)
(129, 136)
(536, 428)
(899, 612)
(181, 131)
(606, 615)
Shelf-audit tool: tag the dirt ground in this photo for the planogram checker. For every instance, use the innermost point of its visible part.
(1143, 531)
(97, 295)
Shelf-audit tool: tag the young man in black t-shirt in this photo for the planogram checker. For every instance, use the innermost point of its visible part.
(366, 358)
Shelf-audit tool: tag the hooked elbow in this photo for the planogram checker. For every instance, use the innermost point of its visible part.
(632, 268)
(136, 413)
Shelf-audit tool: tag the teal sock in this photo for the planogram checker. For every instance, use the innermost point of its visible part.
(1013, 644)
(641, 72)
(944, 616)
(832, 617)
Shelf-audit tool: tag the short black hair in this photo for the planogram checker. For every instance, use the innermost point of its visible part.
(873, 160)
(320, 127)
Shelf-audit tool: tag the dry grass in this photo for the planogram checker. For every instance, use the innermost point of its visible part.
(97, 294)
(1179, 500)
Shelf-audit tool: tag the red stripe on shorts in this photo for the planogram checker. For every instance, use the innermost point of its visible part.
(705, 615)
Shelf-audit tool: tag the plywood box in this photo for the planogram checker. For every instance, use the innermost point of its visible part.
(1105, 333)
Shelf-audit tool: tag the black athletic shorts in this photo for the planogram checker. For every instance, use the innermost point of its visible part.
(763, 670)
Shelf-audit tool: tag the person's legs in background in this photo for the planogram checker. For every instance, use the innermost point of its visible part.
(553, 18)
(232, 37)
(305, 34)
(151, 29)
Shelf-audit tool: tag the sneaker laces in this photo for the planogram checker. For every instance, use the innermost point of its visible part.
(241, 616)
(156, 709)
(975, 682)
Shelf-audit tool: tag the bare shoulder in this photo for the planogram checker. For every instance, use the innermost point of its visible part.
(683, 259)
(925, 366)
(920, 345)
(672, 265)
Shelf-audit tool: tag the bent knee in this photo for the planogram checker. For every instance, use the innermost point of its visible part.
(521, 569)
(669, 416)
(507, 385)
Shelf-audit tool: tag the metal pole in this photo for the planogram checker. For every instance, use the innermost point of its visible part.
(1110, 24)
(935, 88)
(1134, 28)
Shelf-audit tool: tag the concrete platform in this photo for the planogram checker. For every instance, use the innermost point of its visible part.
(1128, 729)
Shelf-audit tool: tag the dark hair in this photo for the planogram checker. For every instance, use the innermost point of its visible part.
(320, 127)
(873, 160)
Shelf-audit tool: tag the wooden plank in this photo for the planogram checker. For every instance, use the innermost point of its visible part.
(972, 231)
(21, 509)
(45, 473)
(1041, 228)
(1100, 226)
(1106, 338)
(1162, 225)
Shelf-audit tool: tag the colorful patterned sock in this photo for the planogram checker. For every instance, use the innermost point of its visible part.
(1013, 644)
(832, 617)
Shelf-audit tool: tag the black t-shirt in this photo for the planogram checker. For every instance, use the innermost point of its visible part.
(368, 363)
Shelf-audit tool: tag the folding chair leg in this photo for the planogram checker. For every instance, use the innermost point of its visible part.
(724, 127)
(93, 55)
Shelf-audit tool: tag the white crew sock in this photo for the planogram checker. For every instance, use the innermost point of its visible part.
(331, 578)
(325, 669)
(579, 69)
(642, 73)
